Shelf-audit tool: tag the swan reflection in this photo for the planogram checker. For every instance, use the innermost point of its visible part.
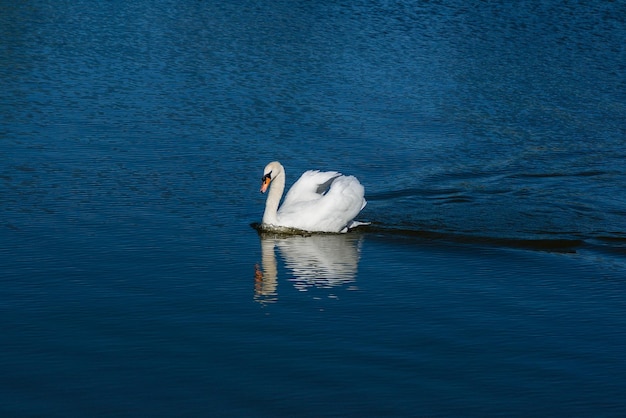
(320, 260)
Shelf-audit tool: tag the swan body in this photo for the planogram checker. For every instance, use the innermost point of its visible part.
(320, 201)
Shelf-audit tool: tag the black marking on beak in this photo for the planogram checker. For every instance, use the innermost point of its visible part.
(265, 182)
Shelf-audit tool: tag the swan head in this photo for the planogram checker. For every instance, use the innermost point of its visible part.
(271, 171)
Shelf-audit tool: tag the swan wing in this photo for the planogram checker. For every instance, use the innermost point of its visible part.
(312, 185)
(322, 201)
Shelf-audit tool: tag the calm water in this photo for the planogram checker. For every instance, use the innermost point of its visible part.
(491, 141)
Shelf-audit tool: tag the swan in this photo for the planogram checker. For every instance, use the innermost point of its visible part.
(320, 201)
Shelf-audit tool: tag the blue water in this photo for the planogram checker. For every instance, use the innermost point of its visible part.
(491, 142)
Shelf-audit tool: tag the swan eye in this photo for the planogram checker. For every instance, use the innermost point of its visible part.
(267, 176)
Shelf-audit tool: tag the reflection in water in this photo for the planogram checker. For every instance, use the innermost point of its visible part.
(320, 260)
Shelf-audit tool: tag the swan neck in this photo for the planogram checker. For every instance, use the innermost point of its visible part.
(277, 187)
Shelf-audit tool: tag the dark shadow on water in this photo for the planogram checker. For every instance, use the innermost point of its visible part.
(563, 245)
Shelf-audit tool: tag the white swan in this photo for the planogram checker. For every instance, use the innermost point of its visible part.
(318, 202)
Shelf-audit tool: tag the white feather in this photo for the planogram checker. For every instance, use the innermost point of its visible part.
(310, 207)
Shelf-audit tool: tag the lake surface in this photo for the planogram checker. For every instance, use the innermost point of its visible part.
(491, 142)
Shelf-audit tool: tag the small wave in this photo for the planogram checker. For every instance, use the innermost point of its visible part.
(565, 245)
(393, 194)
(588, 173)
(424, 193)
(615, 245)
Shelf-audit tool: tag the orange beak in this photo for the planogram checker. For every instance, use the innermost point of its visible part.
(265, 183)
